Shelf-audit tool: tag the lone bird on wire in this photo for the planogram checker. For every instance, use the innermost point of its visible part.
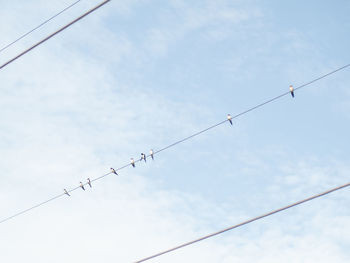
(143, 157)
(132, 162)
(82, 186)
(66, 192)
(151, 153)
(89, 182)
(229, 117)
(291, 89)
(113, 171)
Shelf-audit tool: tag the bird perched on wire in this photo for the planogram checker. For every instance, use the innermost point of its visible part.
(113, 171)
(66, 192)
(291, 89)
(82, 186)
(229, 117)
(132, 162)
(151, 154)
(143, 157)
(89, 182)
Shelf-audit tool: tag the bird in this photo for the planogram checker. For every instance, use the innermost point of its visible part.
(229, 117)
(151, 153)
(143, 157)
(132, 162)
(291, 89)
(66, 192)
(113, 171)
(82, 186)
(89, 182)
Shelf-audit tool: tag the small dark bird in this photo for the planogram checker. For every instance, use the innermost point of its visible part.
(82, 186)
(132, 162)
(113, 171)
(66, 192)
(89, 182)
(229, 117)
(151, 153)
(143, 157)
(291, 89)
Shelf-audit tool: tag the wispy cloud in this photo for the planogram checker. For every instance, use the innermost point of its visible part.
(89, 100)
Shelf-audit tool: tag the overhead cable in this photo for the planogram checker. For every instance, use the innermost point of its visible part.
(54, 33)
(253, 108)
(244, 223)
(37, 27)
(152, 153)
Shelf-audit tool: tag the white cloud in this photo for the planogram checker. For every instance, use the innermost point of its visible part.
(66, 116)
(217, 18)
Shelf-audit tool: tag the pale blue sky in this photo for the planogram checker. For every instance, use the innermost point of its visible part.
(137, 75)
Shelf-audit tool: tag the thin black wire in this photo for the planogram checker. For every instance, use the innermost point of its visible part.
(54, 33)
(31, 208)
(189, 137)
(323, 76)
(254, 108)
(182, 140)
(37, 27)
(244, 223)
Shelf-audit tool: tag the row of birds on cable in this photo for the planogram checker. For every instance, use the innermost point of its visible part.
(151, 153)
(113, 171)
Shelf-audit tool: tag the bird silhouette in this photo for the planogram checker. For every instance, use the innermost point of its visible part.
(113, 171)
(89, 182)
(229, 117)
(291, 89)
(143, 157)
(132, 162)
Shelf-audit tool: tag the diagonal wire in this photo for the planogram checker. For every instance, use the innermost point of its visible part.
(255, 107)
(54, 33)
(183, 140)
(245, 222)
(37, 27)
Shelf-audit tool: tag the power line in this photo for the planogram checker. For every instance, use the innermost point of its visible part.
(244, 223)
(182, 140)
(37, 27)
(255, 107)
(54, 33)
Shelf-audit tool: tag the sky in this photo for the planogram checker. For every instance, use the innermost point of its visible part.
(136, 75)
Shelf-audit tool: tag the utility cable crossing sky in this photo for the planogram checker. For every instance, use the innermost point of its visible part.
(229, 119)
(245, 222)
(54, 33)
(40, 25)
